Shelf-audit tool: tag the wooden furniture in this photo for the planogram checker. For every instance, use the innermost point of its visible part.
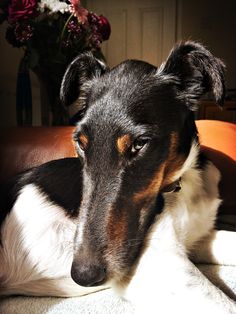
(208, 110)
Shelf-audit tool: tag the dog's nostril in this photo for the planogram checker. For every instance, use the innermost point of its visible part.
(88, 275)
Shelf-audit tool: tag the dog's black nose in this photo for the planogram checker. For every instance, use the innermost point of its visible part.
(88, 275)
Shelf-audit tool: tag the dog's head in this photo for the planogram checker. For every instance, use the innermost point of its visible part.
(135, 134)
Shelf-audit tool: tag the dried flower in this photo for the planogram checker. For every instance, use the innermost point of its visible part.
(23, 32)
(74, 27)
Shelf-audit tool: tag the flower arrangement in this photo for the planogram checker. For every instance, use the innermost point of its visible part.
(51, 33)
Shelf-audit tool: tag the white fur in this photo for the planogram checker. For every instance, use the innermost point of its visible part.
(165, 280)
(81, 222)
(37, 248)
(216, 248)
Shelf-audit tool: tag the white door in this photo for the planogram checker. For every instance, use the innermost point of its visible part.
(141, 29)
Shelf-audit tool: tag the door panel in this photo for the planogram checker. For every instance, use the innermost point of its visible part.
(140, 29)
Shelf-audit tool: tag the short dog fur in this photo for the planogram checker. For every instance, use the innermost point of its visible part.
(129, 211)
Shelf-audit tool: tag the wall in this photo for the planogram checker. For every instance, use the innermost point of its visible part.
(212, 22)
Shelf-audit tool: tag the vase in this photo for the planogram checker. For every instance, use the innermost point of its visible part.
(23, 95)
(52, 112)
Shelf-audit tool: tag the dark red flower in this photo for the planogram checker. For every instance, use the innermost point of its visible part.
(23, 32)
(100, 26)
(22, 10)
(104, 27)
(74, 27)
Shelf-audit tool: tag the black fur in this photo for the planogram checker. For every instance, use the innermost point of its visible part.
(197, 71)
(146, 104)
(84, 67)
(136, 98)
(60, 180)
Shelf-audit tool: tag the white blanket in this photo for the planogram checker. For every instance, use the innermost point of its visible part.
(105, 302)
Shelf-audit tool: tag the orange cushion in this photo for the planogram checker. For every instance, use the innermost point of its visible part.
(218, 140)
(26, 147)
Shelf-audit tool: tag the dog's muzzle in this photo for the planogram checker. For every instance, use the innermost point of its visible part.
(88, 275)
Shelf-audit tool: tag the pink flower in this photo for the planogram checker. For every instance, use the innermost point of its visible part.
(22, 10)
(80, 12)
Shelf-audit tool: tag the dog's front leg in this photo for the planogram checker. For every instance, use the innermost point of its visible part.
(216, 248)
(166, 281)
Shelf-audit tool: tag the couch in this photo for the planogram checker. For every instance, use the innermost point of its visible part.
(22, 148)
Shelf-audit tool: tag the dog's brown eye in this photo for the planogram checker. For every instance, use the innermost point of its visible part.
(138, 145)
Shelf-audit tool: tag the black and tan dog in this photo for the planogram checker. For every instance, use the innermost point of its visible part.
(128, 211)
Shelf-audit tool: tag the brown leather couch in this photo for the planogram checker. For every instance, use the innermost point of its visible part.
(22, 148)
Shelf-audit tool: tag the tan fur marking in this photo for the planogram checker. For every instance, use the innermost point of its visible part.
(117, 228)
(123, 143)
(117, 231)
(174, 161)
(83, 141)
(174, 142)
(153, 187)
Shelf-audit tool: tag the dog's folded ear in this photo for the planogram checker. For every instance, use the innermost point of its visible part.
(196, 72)
(82, 69)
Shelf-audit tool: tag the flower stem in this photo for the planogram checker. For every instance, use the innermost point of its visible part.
(64, 29)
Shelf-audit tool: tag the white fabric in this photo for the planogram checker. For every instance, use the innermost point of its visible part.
(104, 302)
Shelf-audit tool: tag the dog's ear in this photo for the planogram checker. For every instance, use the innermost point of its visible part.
(82, 69)
(196, 72)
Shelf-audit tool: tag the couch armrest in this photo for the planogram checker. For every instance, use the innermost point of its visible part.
(218, 141)
(25, 147)
(22, 148)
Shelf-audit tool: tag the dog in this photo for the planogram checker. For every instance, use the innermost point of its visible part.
(131, 210)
